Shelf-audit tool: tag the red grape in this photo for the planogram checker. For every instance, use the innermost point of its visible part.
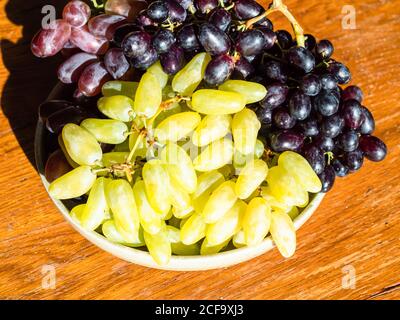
(126, 8)
(76, 13)
(104, 25)
(93, 78)
(71, 69)
(56, 166)
(84, 40)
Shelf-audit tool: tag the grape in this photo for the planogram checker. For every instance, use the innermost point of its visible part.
(187, 38)
(245, 127)
(56, 121)
(96, 208)
(243, 69)
(225, 228)
(353, 160)
(111, 233)
(352, 114)
(116, 63)
(264, 116)
(332, 126)
(310, 42)
(250, 178)
(309, 127)
(163, 40)
(348, 141)
(286, 140)
(87, 42)
(81, 146)
(311, 85)
(373, 148)
(283, 233)
(104, 25)
(93, 78)
(144, 21)
(205, 6)
(219, 69)
(126, 8)
(117, 107)
(282, 119)
(327, 178)
(207, 249)
(146, 60)
(157, 11)
(50, 41)
(368, 122)
(208, 101)
(178, 248)
(328, 82)
(326, 103)
(352, 93)
(269, 37)
(299, 105)
(112, 158)
(76, 13)
(176, 12)
(106, 130)
(340, 169)
(250, 42)
(122, 31)
(73, 184)
(125, 88)
(256, 221)
(185, 3)
(325, 143)
(247, 9)
(214, 156)
(315, 157)
(211, 128)
(206, 184)
(301, 58)
(324, 49)
(173, 60)
(147, 105)
(56, 166)
(71, 69)
(136, 43)
(177, 126)
(214, 41)
(276, 96)
(220, 18)
(252, 91)
(69, 49)
(275, 71)
(187, 79)
(193, 230)
(220, 202)
(47, 108)
(284, 38)
(157, 70)
(340, 72)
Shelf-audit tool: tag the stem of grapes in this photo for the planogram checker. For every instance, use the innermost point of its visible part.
(138, 141)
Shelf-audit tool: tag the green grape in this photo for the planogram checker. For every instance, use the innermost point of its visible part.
(106, 130)
(156, 180)
(283, 233)
(256, 221)
(174, 108)
(245, 127)
(117, 107)
(259, 149)
(112, 158)
(220, 202)
(215, 155)
(252, 91)
(250, 178)
(149, 219)
(206, 184)
(180, 167)
(73, 184)
(117, 88)
(188, 78)
(72, 163)
(239, 240)
(157, 70)
(301, 170)
(122, 147)
(211, 128)
(179, 198)
(207, 249)
(209, 101)
(177, 126)
(178, 248)
(123, 206)
(193, 229)
(182, 213)
(111, 233)
(240, 160)
(81, 146)
(159, 246)
(76, 212)
(226, 227)
(96, 207)
(272, 201)
(148, 96)
(293, 213)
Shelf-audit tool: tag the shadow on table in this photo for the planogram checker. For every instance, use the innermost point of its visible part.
(30, 79)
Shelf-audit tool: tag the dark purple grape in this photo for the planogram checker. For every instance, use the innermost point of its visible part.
(282, 119)
(243, 69)
(250, 42)
(143, 19)
(340, 72)
(348, 141)
(275, 71)
(176, 12)
(327, 178)
(374, 149)
(269, 36)
(315, 157)
(116, 63)
(352, 114)
(47, 108)
(352, 93)
(219, 69)
(264, 115)
(58, 120)
(310, 41)
(136, 43)
(368, 122)
(214, 41)
(326, 103)
(340, 169)
(311, 85)
(145, 60)
(324, 143)
(187, 38)
(173, 60)
(309, 127)
(299, 105)
(157, 11)
(353, 160)
(284, 38)
(332, 126)
(56, 166)
(205, 6)
(328, 82)
(163, 40)
(265, 22)
(324, 49)
(220, 18)
(276, 96)
(122, 31)
(185, 3)
(286, 140)
(247, 9)
(301, 58)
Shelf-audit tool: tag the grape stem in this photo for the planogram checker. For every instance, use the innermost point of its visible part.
(275, 6)
(142, 134)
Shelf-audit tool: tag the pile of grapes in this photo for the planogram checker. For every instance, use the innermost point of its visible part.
(193, 127)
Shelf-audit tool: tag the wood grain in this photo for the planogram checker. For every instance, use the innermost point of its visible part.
(357, 225)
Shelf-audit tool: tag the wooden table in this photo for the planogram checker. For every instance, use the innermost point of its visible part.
(356, 229)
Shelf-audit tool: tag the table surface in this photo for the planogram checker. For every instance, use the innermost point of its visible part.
(356, 230)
